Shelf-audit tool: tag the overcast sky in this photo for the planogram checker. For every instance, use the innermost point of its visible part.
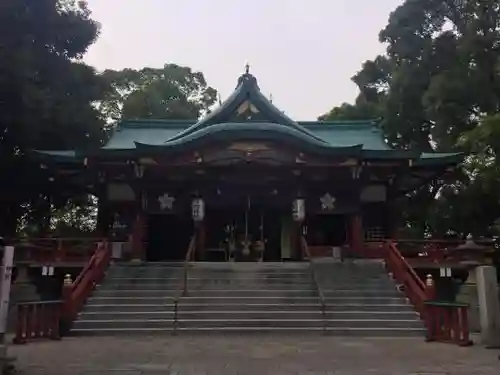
(303, 52)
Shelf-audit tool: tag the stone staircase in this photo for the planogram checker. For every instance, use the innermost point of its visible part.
(248, 297)
(361, 299)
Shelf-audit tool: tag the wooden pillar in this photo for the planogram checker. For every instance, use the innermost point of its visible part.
(200, 230)
(137, 237)
(356, 234)
(391, 228)
(104, 217)
(138, 226)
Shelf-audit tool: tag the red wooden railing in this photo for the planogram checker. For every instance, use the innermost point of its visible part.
(429, 250)
(37, 320)
(44, 319)
(405, 275)
(448, 322)
(445, 322)
(46, 250)
(76, 293)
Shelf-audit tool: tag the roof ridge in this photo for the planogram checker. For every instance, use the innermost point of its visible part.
(246, 91)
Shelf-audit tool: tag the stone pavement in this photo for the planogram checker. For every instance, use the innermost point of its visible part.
(256, 355)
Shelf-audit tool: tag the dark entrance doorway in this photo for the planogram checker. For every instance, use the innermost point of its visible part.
(272, 234)
(169, 237)
(327, 230)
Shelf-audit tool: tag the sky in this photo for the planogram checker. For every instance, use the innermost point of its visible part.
(303, 53)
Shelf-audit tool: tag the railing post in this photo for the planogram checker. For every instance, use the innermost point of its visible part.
(67, 305)
(463, 323)
(21, 325)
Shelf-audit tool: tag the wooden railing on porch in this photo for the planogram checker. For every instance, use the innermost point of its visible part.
(431, 250)
(46, 319)
(55, 249)
(445, 322)
(183, 289)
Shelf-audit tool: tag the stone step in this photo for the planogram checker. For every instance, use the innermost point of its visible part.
(295, 292)
(300, 331)
(116, 322)
(313, 313)
(202, 315)
(249, 284)
(208, 286)
(239, 300)
(209, 293)
(222, 306)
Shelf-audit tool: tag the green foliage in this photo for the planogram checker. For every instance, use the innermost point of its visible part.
(47, 95)
(438, 88)
(171, 92)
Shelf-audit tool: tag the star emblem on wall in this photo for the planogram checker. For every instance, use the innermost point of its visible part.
(166, 201)
(327, 202)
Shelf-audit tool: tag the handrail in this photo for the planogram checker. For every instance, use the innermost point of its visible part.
(448, 322)
(76, 293)
(444, 321)
(405, 275)
(183, 290)
(42, 319)
(314, 276)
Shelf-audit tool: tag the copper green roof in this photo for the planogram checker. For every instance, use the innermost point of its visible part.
(248, 114)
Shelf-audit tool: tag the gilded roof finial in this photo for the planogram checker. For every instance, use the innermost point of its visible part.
(247, 68)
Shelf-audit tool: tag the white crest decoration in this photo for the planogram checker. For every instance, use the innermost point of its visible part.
(327, 202)
(166, 201)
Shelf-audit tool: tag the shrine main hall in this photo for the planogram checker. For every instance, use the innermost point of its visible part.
(246, 181)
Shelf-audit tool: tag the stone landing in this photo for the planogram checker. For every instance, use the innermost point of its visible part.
(252, 355)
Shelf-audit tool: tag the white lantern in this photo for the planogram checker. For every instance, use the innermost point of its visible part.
(198, 209)
(299, 209)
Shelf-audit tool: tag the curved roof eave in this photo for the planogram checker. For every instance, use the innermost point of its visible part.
(256, 131)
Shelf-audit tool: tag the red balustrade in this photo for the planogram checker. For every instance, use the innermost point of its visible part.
(36, 320)
(444, 321)
(448, 322)
(43, 319)
(436, 251)
(48, 250)
(76, 293)
(404, 274)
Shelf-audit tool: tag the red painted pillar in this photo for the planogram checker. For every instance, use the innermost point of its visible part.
(356, 234)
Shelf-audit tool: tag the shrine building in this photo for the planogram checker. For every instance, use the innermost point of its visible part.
(247, 179)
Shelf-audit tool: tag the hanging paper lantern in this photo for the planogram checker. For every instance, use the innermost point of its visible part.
(198, 209)
(299, 209)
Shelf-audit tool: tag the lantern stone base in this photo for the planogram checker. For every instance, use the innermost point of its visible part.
(489, 306)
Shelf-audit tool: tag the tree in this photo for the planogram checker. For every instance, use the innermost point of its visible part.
(171, 92)
(46, 95)
(438, 88)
